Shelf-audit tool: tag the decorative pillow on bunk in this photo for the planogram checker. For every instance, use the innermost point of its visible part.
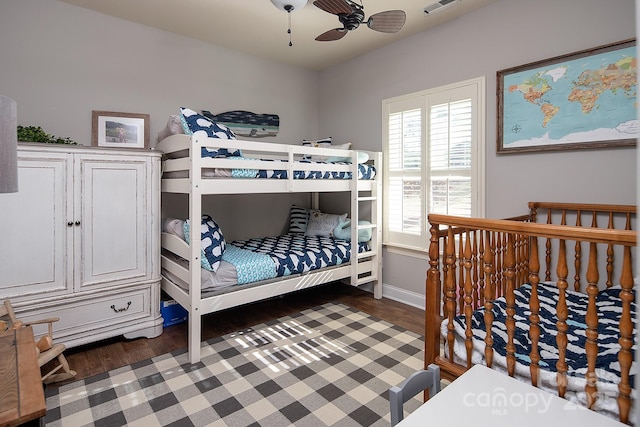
(173, 127)
(343, 231)
(193, 122)
(323, 143)
(298, 219)
(174, 226)
(362, 157)
(329, 159)
(323, 224)
(213, 243)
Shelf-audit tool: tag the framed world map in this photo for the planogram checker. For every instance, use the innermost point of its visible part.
(585, 99)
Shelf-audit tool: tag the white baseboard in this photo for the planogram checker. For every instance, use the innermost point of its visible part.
(398, 294)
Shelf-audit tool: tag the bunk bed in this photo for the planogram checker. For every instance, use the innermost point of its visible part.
(546, 297)
(250, 167)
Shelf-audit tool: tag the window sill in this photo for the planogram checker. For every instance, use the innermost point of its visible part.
(407, 251)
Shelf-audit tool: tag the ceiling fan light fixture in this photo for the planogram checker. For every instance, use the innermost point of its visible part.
(289, 5)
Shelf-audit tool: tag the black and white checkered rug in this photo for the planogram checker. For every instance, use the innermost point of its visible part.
(330, 365)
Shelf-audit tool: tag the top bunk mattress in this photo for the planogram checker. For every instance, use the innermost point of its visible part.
(279, 171)
(230, 158)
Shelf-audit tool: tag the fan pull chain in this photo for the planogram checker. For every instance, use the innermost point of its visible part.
(289, 29)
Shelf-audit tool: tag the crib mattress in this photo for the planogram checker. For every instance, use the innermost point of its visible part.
(607, 369)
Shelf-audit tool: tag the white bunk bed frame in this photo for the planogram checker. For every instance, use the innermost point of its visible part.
(367, 267)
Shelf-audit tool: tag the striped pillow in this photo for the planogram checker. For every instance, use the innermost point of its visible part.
(299, 218)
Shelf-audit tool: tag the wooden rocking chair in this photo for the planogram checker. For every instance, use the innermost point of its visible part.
(46, 349)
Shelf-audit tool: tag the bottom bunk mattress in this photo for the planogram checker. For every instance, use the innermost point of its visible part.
(609, 307)
(262, 259)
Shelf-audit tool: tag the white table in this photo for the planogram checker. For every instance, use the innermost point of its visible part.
(484, 397)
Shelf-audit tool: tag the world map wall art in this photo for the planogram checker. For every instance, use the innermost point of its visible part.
(585, 99)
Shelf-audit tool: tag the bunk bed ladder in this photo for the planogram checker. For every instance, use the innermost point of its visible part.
(372, 256)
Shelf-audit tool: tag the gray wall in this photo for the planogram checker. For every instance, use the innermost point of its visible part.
(60, 62)
(503, 34)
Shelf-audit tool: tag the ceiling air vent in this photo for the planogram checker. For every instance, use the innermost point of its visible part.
(440, 6)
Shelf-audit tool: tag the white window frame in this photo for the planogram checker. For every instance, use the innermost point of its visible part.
(474, 89)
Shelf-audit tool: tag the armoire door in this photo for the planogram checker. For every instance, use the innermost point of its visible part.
(36, 245)
(111, 203)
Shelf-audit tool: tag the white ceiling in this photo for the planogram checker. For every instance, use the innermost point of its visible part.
(258, 28)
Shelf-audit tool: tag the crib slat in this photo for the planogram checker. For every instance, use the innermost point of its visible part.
(460, 280)
(511, 304)
(482, 275)
(577, 263)
(625, 356)
(534, 306)
(499, 265)
(562, 314)
(488, 298)
(474, 259)
(591, 320)
(524, 259)
(450, 288)
(468, 298)
(610, 255)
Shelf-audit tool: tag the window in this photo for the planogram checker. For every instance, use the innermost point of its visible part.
(433, 143)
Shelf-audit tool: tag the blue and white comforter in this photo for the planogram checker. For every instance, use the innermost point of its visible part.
(365, 171)
(297, 253)
(607, 368)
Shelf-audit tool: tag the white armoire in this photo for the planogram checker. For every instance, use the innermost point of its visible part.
(80, 241)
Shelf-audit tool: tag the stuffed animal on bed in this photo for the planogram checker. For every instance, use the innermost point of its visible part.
(343, 230)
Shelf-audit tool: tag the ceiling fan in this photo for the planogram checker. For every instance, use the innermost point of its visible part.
(351, 15)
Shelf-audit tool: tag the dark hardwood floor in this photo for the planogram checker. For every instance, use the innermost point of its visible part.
(110, 354)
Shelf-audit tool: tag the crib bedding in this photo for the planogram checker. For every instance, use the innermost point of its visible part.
(607, 368)
(261, 259)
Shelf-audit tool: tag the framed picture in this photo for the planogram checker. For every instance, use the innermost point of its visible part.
(582, 100)
(120, 130)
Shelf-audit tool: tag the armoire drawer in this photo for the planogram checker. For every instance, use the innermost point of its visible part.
(99, 311)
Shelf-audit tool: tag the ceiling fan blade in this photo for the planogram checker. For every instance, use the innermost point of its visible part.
(331, 35)
(335, 7)
(390, 21)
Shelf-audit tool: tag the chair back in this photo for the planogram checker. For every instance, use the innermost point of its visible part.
(7, 316)
(418, 381)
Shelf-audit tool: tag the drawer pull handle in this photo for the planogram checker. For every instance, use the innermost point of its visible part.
(120, 310)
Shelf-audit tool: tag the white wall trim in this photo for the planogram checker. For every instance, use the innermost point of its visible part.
(395, 293)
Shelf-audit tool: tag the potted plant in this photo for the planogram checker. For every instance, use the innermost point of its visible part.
(37, 134)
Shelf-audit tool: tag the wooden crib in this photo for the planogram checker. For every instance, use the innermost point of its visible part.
(487, 300)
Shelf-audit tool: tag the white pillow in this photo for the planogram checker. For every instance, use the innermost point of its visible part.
(173, 126)
(174, 226)
(323, 224)
(362, 157)
(333, 159)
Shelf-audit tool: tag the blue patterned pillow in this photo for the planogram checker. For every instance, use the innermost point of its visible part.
(195, 124)
(299, 218)
(213, 243)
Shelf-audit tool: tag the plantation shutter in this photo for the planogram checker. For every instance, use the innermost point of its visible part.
(433, 151)
(404, 197)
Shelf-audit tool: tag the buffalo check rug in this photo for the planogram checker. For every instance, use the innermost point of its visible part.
(330, 365)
